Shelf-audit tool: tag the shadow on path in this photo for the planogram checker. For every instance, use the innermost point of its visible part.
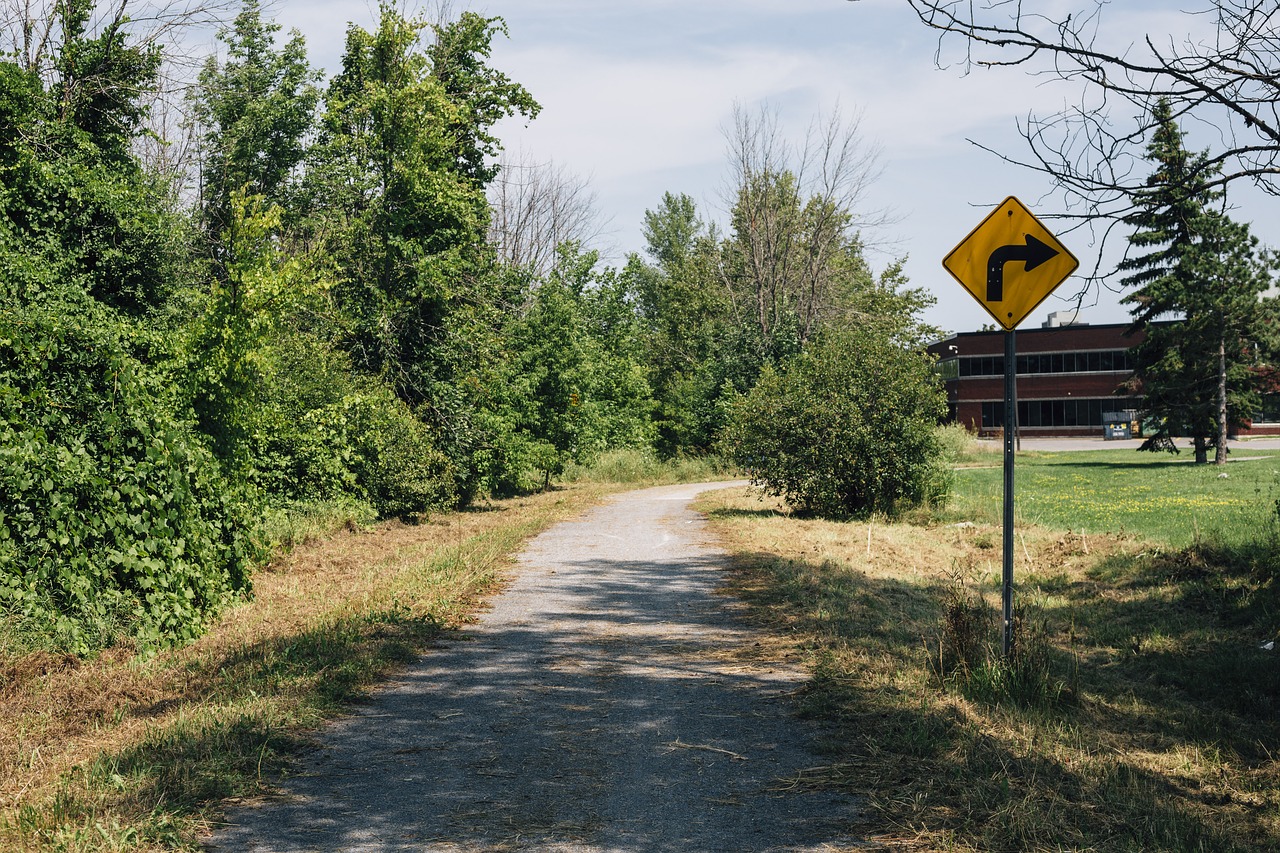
(604, 704)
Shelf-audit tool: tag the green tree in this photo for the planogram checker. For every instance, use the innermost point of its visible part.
(685, 316)
(262, 289)
(576, 353)
(480, 94)
(73, 191)
(256, 110)
(397, 189)
(116, 520)
(716, 311)
(1196, 279)
(399, 197)
(845, 428)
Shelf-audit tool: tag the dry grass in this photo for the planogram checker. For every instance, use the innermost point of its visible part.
(127, 753)
(1162, 729)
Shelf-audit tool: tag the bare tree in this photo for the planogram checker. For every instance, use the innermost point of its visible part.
(31, 30)
(535, 208)
(797, 214)
(1217, 65)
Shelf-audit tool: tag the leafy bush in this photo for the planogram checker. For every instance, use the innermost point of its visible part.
(396, 462)
(114, 520)
(844, 429)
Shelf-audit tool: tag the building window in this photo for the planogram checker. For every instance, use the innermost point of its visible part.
(1270, 413)
(1095, 361)
(1052, 413)
(982, 365)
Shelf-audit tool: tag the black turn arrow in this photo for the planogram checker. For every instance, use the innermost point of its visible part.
(1033, 253)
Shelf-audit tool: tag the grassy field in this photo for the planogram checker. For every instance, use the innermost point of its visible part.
(1139, 714)
(1162, 497)
(1140, 711)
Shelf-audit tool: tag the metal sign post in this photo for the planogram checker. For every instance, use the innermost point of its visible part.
(1010, 420)
(986, 264)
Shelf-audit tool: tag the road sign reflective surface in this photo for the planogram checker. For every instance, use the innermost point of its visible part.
(1010, 263)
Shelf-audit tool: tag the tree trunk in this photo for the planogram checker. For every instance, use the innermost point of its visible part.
(1220, 453)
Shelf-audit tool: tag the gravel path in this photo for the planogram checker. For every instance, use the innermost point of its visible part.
(603, 705)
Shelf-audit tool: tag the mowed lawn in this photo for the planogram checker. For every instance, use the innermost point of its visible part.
(1142, 709)
(1159, 496)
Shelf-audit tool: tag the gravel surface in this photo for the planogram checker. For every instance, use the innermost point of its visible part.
(608, 702)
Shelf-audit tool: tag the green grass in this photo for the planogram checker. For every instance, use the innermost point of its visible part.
(1150, 718)
(1160, 497)
(644, 468)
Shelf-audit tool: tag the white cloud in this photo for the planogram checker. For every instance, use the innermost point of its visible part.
(636, 94)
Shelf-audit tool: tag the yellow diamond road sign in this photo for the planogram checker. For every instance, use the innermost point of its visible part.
(1010, 263)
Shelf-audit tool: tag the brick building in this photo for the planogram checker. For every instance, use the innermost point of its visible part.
(1069, 382)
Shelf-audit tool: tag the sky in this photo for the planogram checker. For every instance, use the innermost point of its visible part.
(636, 99)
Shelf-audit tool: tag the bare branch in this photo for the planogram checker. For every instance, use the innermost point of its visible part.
(535, 208)
(797, 214)
(1223, 73)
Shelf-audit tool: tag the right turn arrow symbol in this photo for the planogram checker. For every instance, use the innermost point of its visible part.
(1033, 253)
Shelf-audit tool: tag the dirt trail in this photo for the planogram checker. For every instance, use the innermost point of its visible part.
(604, 705)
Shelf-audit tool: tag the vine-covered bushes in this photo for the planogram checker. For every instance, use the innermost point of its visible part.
(114, 520)
(395, 461)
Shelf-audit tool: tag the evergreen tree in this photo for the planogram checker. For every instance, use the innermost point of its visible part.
(1197, 278)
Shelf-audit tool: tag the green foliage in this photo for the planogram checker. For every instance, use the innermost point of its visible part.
(716, 311)
(687, 327)
(1197, 282)
(399, 202)
(101, 81)
(261, 290)
(394, 458)
(282, 409)
(114, 521)
(844, 429)
(481, 95)
(957, 443)
(578, 362)
(256, 109)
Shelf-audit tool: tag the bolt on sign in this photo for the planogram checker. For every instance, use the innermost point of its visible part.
(1010, 263)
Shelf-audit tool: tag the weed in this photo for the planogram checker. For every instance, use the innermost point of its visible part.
(970, 659)
(1023, 677)
(965, 638)
(642, 467)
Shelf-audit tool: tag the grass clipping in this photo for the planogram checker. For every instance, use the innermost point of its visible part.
(1140, 713)
(126, 753)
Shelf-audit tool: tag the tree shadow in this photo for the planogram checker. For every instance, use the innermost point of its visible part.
(976, 774)
(629, 712)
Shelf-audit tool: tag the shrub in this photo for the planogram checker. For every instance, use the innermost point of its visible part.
(844, 429)
(395, 461)
(114, 520)
(320, 434)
